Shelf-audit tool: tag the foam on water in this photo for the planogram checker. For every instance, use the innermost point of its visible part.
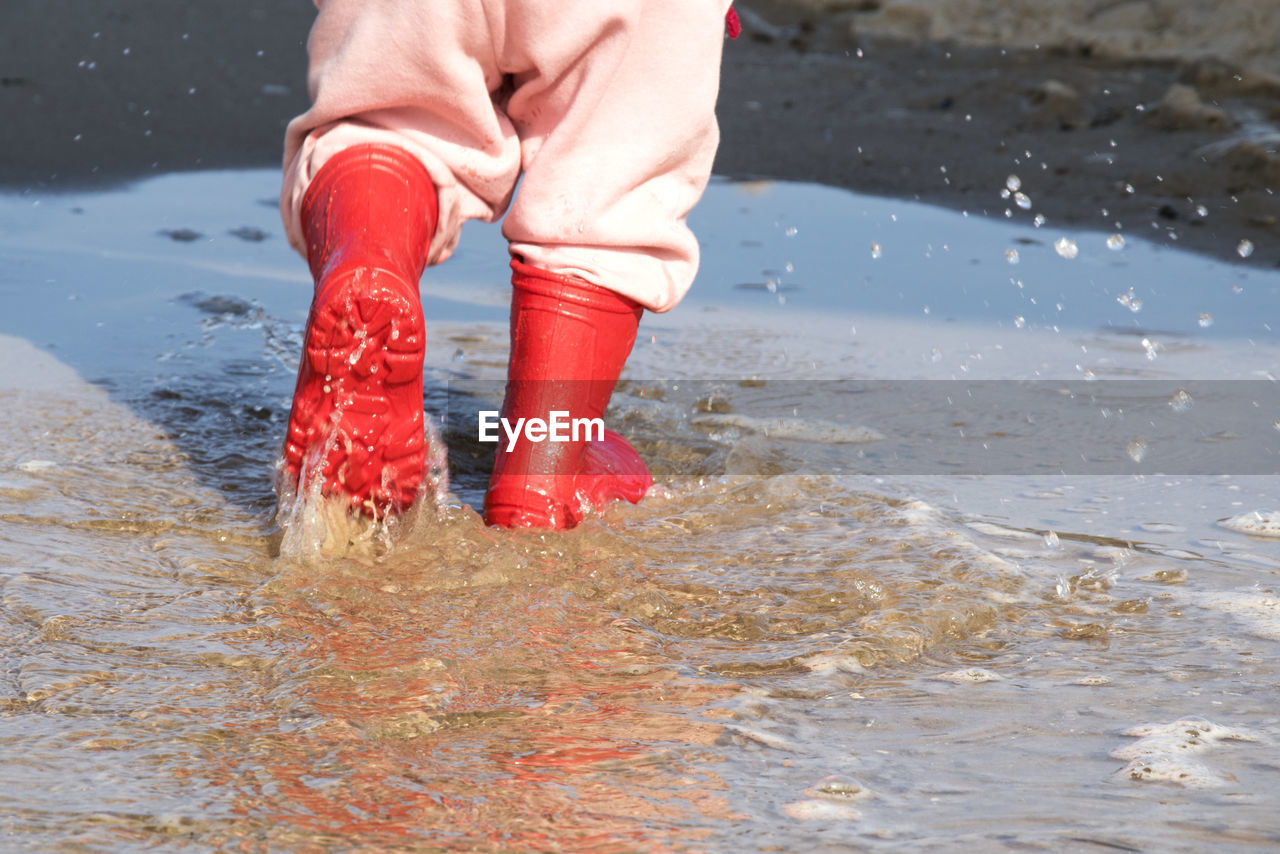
(1258, 523)
(971, 676)
(1260, 612)
(1163, 753)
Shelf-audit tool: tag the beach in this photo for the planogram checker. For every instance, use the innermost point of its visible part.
(965, 446)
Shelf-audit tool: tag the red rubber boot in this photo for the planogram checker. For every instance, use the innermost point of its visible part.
(569, 340)
(356, 423)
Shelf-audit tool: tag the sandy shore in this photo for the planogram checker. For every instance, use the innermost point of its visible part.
(1171, 138)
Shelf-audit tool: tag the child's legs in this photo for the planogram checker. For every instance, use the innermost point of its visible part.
(395, 84)
(616, 119)
(612, 118)
(413, 74)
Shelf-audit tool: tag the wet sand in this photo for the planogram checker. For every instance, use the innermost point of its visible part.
(811, 92)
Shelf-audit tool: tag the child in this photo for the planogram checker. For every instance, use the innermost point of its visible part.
(424, 115)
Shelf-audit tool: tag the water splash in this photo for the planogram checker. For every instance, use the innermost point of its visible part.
(1130, 301)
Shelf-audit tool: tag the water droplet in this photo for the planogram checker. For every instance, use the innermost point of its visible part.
(1039, 220)
(1020, 321)
(1023, 200)
(789, 267)
(1237, 289)
(1066, 247)
(1130, 301)
(125, 52)
(1011, 255)
(1004, 194)
(935, 355)
(791, 231)
(1051, 539)
(1201, 210)
(1150, 347)
(1245, 248)
(1206, 320)
(876, 251)
(191, 91)
(1128, 188)
(1014, 183)
(926, 309)
(1136, 449)
(1181, 400)
(1115, 242)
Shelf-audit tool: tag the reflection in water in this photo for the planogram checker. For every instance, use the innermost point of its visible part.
(481, 698)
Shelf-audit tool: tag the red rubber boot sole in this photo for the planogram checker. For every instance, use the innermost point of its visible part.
(355, 430)
(358, 402)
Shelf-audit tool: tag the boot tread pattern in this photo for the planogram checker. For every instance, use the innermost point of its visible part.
(357, 421)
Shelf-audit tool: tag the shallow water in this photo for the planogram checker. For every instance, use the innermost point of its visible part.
(763, 655)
